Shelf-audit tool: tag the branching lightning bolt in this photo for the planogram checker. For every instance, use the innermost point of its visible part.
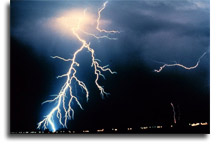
(98, 26)
(180, 65)
(66, 89)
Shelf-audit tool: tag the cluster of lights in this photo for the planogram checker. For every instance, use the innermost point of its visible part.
(85, 131)
(159, 126)
(149, 127)
(129, 129)
(143, 128)
(114, 129)
(197, 124)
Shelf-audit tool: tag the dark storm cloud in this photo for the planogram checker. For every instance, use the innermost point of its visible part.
(150, 30)
(164, 30)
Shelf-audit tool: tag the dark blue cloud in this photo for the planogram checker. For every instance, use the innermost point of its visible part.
(159, 30)
(164, 30)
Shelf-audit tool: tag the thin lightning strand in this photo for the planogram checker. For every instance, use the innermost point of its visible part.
(71, 75)
(98, 37)
(180, 65)
(97, 26)
(98, 21)
(174, 113)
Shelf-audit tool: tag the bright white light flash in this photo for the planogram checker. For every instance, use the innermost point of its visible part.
(66, 90)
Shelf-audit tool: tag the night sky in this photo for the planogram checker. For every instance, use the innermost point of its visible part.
(151, 33)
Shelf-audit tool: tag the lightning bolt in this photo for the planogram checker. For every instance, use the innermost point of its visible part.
(180, 65)
(98, 20)
(174, 113)
(98, 26)
(66, 89)
(185, 67)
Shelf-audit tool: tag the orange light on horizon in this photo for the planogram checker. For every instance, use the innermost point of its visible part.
(195, 124)
(100, 130)
(205, 123)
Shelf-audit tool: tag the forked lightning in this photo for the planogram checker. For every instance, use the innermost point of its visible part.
(66, 90)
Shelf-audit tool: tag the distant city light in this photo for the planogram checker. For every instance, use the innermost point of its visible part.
(197, 124)
(114, 129)
(159, 126)
(86, 131)
(144, 127)
(205, 123)
(129, 129)
(100, 130)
